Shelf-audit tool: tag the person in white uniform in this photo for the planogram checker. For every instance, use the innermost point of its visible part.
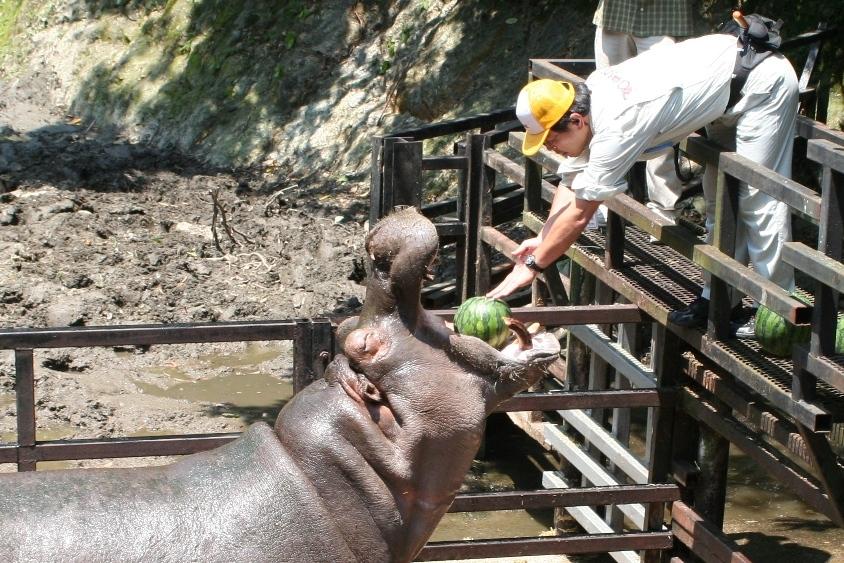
(624, 29)
(625, 112)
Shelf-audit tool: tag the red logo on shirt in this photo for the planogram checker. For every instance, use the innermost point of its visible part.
(621, 83)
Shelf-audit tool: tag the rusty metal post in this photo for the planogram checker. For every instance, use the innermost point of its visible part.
(831, 232)
(395, 175)
(724, 238)
(313, 347)
(25, 396)
(376, 181)
(711, 490)
(460, 285)
(407, 174)
(666, 365)
(322, 346)
(614, 244)
(302, 355)
(577, 354)
(481, 180)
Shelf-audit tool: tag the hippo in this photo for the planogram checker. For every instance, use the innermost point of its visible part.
(359, 466)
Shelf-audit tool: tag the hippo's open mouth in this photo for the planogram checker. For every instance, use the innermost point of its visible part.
(545, 348)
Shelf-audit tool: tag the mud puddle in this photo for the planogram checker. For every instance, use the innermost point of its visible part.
(239, 389)
(236, 379)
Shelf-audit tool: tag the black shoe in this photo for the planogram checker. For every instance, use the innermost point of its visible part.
(693, 316)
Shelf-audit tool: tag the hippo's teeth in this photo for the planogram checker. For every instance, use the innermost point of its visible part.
(522, 335)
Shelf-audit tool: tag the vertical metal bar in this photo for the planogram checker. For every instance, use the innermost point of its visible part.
(599, 370)
(533, 186)
(388, 174)
(825, 310)
(322, 346)
(614, 244)
(577, 353)
(831, 231)
(25, 397)
(628, 338)
(407, 174)
(726, 217)
(483, 251)
(533, 203)
(666, 364)
(376, 180)
(302, 355)
(478, 214)
(460, 285)
(711, 489)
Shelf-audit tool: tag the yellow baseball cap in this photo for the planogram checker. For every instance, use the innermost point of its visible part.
(540, 105)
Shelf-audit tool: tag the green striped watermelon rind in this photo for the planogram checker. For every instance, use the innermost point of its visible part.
(778, 337)
(483, 317)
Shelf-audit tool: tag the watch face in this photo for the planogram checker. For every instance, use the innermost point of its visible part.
(530, 262)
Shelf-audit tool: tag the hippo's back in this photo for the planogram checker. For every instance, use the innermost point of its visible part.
(245, 501)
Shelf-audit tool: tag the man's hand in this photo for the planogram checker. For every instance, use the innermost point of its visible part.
(526, 248)
(519, 277)
(516, 279)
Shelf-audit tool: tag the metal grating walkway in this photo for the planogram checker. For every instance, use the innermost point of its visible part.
(659, 280)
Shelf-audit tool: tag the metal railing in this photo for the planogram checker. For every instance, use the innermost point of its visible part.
(312, 339)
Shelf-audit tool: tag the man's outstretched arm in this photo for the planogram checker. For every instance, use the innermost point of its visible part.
(568, 217)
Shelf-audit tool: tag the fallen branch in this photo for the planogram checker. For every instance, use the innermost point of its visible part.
(274, 196)
(261, 258)
(228, 229)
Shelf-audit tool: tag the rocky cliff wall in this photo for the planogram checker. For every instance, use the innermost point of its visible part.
(297, 86)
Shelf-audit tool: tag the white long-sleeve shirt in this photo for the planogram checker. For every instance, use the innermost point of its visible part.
(646, 103)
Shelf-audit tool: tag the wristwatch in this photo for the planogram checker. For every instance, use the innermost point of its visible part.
(530, 262)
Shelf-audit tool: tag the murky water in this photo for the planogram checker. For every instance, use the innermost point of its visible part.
(243, 383)
(239, 389)
(771, 524)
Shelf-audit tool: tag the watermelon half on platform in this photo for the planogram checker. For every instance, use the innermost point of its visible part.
(483, 317)
(778, 336)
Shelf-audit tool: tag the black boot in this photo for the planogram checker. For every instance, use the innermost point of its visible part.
(693, 316)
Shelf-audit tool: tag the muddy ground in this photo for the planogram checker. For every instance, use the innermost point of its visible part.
(97, 231)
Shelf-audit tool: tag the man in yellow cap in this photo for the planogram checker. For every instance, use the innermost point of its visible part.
(629, 111)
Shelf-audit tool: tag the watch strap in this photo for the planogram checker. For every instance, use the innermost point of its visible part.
(530, 262)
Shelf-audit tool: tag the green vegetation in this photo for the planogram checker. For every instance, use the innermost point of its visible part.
(9, 10)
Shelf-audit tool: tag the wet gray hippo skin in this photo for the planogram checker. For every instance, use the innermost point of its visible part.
(359, 467)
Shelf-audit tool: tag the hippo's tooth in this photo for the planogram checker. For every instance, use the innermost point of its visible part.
(518, 328)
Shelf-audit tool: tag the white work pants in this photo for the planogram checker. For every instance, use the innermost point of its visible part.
(664, 187)
(761, 127)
